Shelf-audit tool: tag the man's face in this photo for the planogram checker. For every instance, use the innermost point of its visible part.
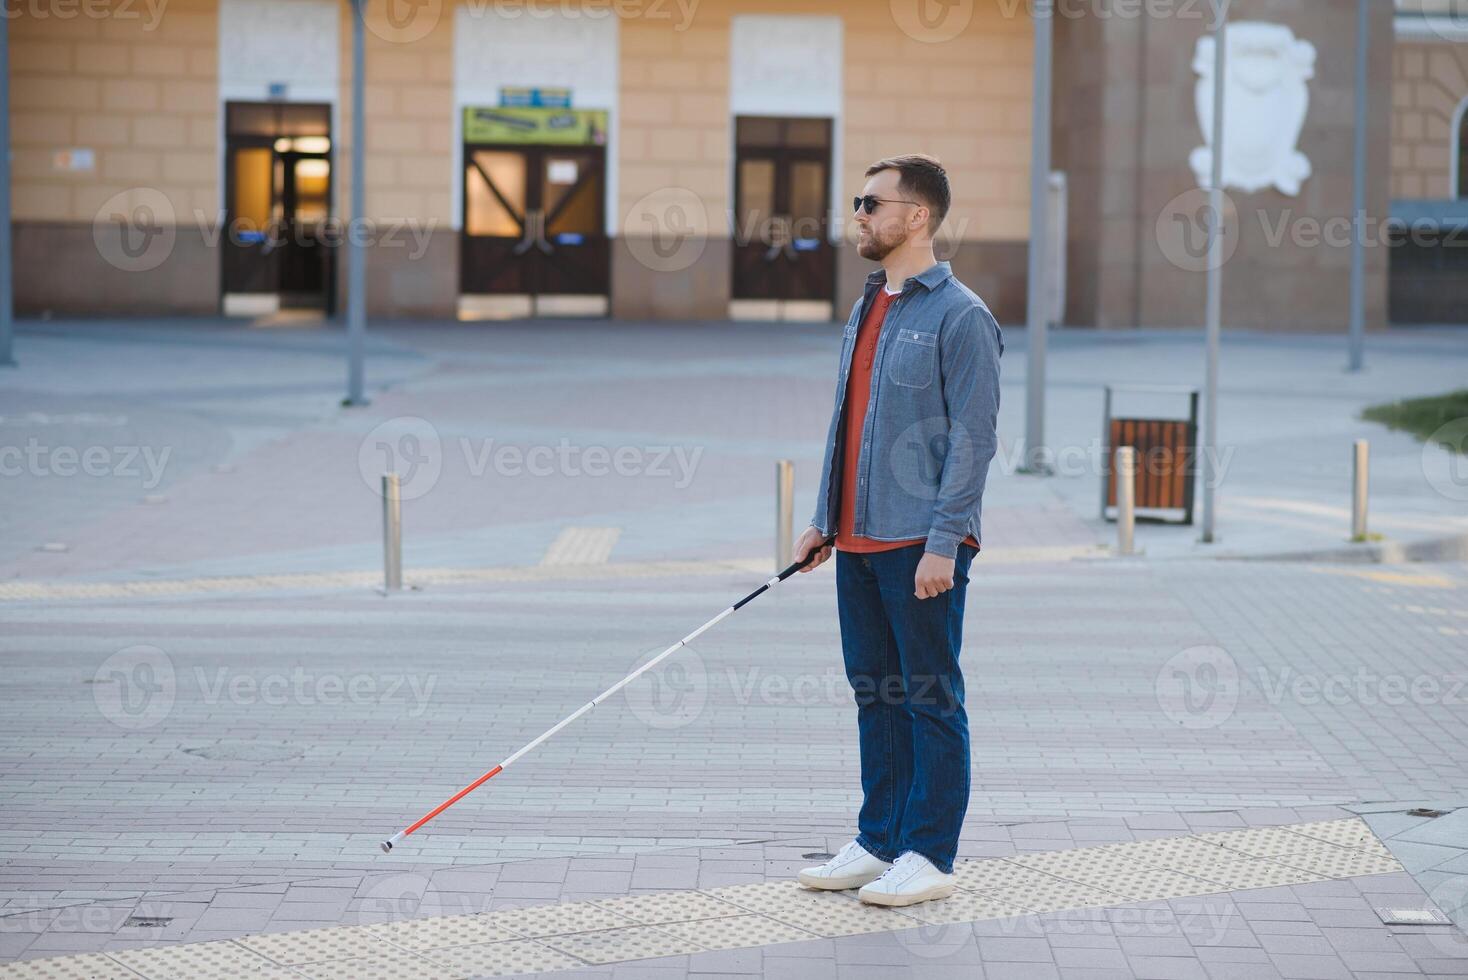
(890, 224)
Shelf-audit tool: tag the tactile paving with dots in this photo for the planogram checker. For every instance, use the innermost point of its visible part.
(659, 924)
(619, 945)
(1052, 896)
(448, 930)
(393, 966)
(999, 873)
(535, 921)
(199, 961)
(1095, 860)
(1263, 841)
(1245, 872)
(1167, 852)
(1144, 884)
(736, 931)
(962, 907)
(1353, 833)
(312, 945)
(1341, 862)
(763, 893)
(659, 907)
(502, 959)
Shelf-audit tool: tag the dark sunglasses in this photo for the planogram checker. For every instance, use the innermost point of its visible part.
(869, 202)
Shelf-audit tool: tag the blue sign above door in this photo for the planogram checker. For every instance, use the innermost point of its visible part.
(520, 97)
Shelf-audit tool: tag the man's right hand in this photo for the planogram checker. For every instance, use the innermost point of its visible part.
(811, 538)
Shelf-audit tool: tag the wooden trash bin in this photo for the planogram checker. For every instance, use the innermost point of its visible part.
(1167, 457)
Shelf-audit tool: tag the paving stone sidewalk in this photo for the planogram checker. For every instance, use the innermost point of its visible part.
(227, 757)
(239, 763)
(225, 451)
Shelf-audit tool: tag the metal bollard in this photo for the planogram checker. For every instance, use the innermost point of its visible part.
(1126, 499)
(392, 532)
(784, 512)
(1360, 479)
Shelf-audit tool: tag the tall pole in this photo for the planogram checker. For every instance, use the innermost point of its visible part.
(356, 255)
(1358, 195)
(1215, 280)
(7, 299)
(1036, 305)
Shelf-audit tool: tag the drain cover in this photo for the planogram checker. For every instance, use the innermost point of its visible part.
(818, 856)
(1423, 811)
(247, 750)
(1413, 917)
(146, 921)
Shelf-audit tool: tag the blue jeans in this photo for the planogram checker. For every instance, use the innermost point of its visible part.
(902, 661)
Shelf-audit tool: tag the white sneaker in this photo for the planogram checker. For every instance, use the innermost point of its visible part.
(911, 880)
(852, 868)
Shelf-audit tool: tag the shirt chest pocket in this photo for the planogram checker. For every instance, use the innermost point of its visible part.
(913, 360)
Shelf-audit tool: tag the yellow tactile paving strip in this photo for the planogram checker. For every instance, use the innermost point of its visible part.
(574, 934)
(21, 590)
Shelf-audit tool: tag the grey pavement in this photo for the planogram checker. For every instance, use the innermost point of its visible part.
(228, 761)
(207, 435)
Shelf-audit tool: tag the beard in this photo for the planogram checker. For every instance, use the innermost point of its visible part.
(875, 249)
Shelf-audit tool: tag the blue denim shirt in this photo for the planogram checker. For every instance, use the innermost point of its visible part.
(932, 416)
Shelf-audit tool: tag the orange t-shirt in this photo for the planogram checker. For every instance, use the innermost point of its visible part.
(858, 391)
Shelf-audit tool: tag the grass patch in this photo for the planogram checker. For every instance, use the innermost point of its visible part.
(1424, 416)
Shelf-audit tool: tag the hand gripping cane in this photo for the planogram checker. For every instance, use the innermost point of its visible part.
(388, 844)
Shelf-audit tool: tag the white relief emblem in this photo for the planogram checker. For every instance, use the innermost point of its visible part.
(1264, 107)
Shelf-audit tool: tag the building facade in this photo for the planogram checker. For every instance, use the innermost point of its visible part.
(686, 159)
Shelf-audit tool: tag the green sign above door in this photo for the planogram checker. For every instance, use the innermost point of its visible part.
(562, 127)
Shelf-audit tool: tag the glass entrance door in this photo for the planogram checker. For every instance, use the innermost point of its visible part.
(305, 198)
(782, 206)
(533, 221)
(278, 205)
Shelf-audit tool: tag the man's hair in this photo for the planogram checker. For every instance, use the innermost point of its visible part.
(924, 178)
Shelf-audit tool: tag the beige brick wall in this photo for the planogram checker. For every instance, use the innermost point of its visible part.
(967, 101)
(673, 134)
(141, 95)
(1429, 81)
(409, 109)
(144, 98)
